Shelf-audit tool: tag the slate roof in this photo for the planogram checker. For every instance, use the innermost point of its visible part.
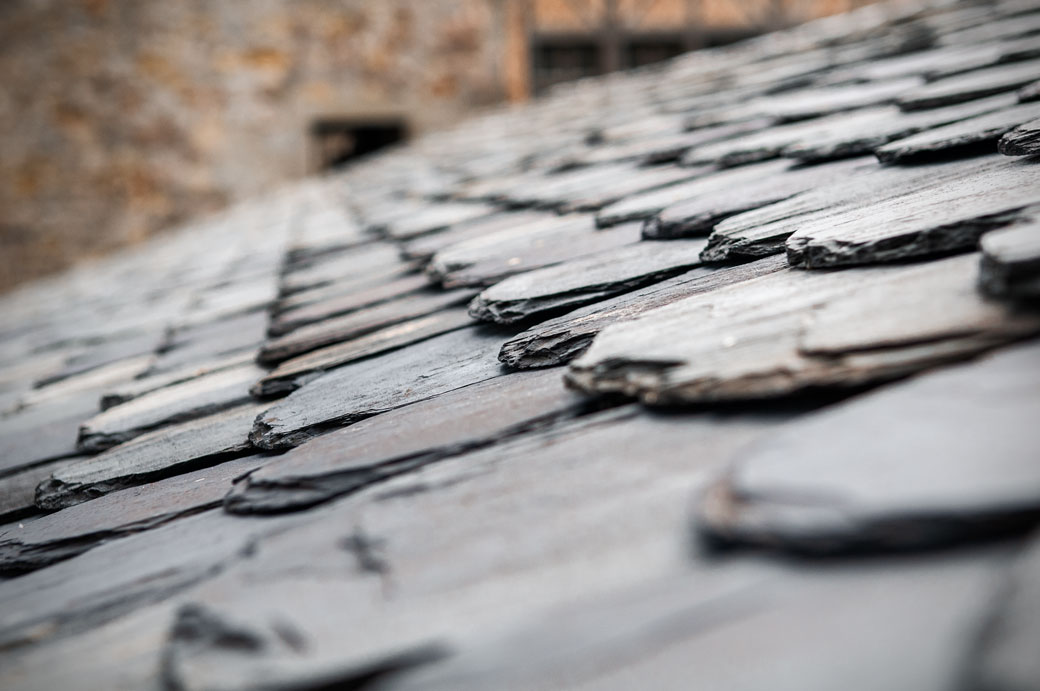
(720, 374)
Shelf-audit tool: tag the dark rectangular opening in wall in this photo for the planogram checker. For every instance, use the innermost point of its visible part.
(646, 50)
(563, 58)
(337, 142)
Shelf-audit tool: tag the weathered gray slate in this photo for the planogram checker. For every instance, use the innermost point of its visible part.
(435, 217)
(43, 433)
(372, 261)
(95, 380)
(871, 133)
(1029, 93)
(490, 262)
(293, 373)
(372, 386)
(161, 453)
(115, 395)
(1003, 655)
(582, 281)
(894, 624)
(978, 133)
(18, 490)
(1024, 140)
(703, 210)
(396, 553)
(358, 323)
(203, 395)
(644, 206)
(790, 330)
(204, 343)
(971, 85)
(76, 529)
(291, 319)
(424, 247)
(405, 438)
(595, 197)
(943, 458)
(114, 579)
(559, 340)
(950, 216)
(1010, 266)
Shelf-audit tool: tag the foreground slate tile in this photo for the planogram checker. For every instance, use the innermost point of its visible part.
(933, 220)
(974, 134)
(1024, 140)
(791, 330)
(381, 383)
(413, 584)
(893, 624)
(76, 529)
(943, 458)
(375, 448)
(116, 578)
(581, 281)
(1010, 266)
(479, 264)
(161, 453)
(699, 214)
(203, 395)
(293, 373)
(1003, 658)
(971, 85)
(561, 339)
(358, 323)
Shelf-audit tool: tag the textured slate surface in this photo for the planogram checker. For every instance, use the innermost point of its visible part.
(973, 134)
(203, 395)
(790, 330)
(43, 433)
(164, 452)
(433, 218)
(955, 461)
(581, 281)
(948, 217)
(1010, 265)
(130, 390)
(428, 245)
(971, 85)
(378, 384)
(18, 490)
(294, 372)
(354, 324)
(404, 439)
(65, 534)
(559, 340)
(1024, 140)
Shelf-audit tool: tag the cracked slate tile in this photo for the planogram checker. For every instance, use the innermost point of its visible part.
(161, 453)
(643, 206)
(484, 263)
(428, 590)
(1002, 659)
(375, 448)
(291, 319)
(971, 85)
(1024, 140)
(76, 529)
(732, 195)
(874, 132)
(980, 133)
(940, 219)
(561, 339)
(384, 382)
(581, 281)
(18, 489)
(204, 395)
(954, 462)
(293, 373)
(354, 324)
(792, 330)
(1010, 265)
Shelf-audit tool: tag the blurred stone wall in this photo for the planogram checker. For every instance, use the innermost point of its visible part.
(119, 117)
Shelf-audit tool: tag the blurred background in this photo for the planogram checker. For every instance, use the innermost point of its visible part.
(121, 117)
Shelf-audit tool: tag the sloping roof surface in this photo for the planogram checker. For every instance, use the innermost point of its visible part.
(721, 374)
